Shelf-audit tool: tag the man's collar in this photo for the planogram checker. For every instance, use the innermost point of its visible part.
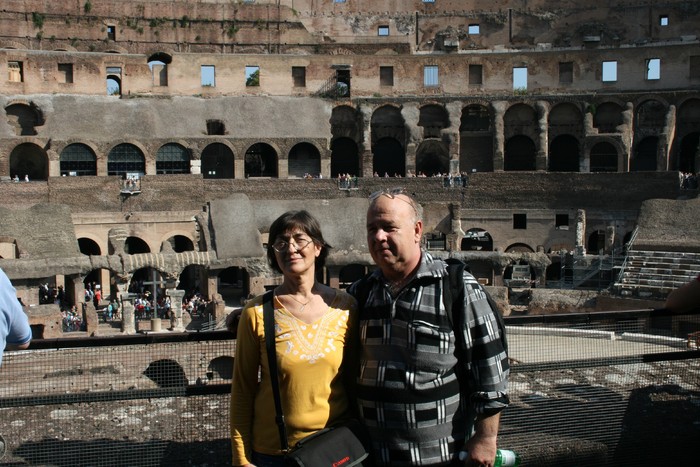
(428, 267)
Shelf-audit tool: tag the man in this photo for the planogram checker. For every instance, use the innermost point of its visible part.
(15, 332)
(409, 395)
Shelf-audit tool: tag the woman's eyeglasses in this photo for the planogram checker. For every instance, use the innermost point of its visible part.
(280, 246)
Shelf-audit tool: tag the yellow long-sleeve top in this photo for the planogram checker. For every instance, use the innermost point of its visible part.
(309, 358)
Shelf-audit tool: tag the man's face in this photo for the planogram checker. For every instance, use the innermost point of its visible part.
(393, 236)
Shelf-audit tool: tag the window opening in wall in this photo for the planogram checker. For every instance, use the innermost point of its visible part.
(338, 1)
(386, 75)
(208, 76)
(383, 31)
(610, 71)
(663, 20)
(520, 221)
(216, 128)
(252, 75)
(114, 81)
(65, 72)
(694, 71)
(15, 72)
(428, 1)
(476, 74)
(77, 160)
(566, 72)
(653, 69)
(159, 73)
(430, 76)
(173, 158)
(473, 29)
(111, 32)
(299, 76)
(561, 221)
(520, 78)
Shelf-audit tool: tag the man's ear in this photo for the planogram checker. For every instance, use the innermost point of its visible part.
(418, 230)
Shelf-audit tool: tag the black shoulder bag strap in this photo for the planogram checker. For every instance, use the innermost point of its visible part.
(269, 326)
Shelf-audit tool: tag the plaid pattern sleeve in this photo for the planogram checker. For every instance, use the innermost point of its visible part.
(410, 390)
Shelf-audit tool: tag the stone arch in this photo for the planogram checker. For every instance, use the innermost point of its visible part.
(166, 373)
(24, 117)
(345, 158)
(220, 368)
(650, 114)
(433, 118)
(519, 247)
(387, 122)
(565, 115)
(126, 159)
(89, 246)
(78, 159)
(520, 154)
(608, 116)
(233, 285)
(158, 64)
(605, 156)
(31, 160)
(645, 152)
(477, 239)
(475, 117)
(261, 160)
(12, 45)
(388, 157)
(476, 139)
(564, 154)
(346, 122)
(173, 158)
(177, 243)
(304, 159)
(191, 278)
(596, 241)
(433, 157)
(135, 245)
(218, 161)
(520, 119)
(689, 153)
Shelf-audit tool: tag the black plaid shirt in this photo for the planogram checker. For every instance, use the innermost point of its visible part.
(408, 388)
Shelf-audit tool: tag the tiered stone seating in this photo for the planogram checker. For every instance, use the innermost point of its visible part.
(653, 274)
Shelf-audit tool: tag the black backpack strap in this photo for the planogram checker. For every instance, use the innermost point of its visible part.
(269, 326)
(453, 296)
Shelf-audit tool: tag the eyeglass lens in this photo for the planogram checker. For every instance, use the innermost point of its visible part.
(299, 244)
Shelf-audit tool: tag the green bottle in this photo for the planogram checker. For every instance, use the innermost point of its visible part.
(504, 458)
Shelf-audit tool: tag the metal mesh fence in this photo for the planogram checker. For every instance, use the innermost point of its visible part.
(596, 389)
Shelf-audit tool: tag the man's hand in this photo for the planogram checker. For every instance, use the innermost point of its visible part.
(483, 445)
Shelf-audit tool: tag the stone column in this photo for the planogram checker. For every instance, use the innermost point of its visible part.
(126, 306)
(454, 238)
(175, 309)
(76, 289)
(609, 238)
(580, 249)
(454, 110)
(499, 111)
(542, 153)
(365, 146)
(127, 311)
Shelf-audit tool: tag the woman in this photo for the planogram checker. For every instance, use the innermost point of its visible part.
(312, 322)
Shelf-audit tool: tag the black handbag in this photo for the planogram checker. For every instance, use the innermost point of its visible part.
(342, 445)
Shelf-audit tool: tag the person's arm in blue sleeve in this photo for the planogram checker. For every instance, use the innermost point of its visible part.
(19, 333)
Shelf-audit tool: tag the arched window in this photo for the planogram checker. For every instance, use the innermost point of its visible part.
(78, 159)
(126, 159)
(172, 158)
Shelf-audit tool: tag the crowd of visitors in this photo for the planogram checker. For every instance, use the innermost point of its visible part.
(72, 319)
(347, 181)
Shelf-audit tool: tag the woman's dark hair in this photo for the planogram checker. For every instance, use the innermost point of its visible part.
(303, 221)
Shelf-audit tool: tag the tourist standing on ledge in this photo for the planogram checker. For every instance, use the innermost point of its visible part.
(15, 332)
(423, 397)
(312, 322)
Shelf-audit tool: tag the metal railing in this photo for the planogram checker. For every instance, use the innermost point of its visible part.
(586, 390)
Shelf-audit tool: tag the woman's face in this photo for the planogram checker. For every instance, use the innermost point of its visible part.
(296, 252)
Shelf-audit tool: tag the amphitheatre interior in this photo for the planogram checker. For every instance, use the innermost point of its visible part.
(149, 144)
